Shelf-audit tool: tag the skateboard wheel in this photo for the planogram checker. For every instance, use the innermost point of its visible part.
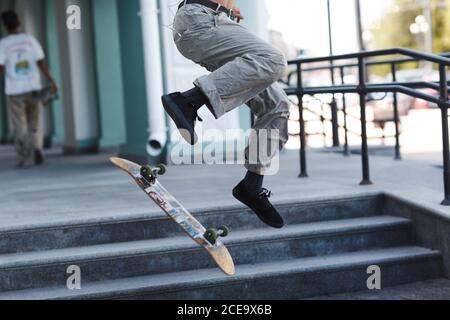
(211, 235)
(162, 169)
(225, 231)
(146, 171)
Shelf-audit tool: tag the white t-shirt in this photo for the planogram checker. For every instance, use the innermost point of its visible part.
(19, 54)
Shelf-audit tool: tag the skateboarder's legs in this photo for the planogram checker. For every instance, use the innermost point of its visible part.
(271, 108)
(243, 69)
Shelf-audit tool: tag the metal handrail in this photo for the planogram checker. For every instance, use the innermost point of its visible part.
(363, 89)
(372, 88)
(377, 53)
(369, 63)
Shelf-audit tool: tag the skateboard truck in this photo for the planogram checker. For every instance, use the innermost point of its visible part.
(213, 234)
(150, 174)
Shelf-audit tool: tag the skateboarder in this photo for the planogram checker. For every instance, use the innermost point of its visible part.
(21, 58)
(244, 70)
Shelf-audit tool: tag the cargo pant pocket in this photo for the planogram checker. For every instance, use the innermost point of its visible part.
(192, 41)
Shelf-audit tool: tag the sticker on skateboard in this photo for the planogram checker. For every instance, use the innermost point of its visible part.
(147, 179)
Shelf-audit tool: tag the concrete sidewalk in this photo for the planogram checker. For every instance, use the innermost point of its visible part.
(77, 188)
(88, 190)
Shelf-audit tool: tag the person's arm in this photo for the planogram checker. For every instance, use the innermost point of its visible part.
(40, 60)
(44, 68)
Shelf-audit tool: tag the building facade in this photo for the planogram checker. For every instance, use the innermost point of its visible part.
(112, 72)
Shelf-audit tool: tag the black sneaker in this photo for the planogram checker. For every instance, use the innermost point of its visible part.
(38, 158)
(183, 114)
(260, 204)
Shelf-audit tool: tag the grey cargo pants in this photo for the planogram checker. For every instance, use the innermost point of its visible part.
(244, 70)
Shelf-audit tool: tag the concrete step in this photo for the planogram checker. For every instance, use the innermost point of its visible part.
(154, 256)
(434, 289)
(292, 279)
(154, 226)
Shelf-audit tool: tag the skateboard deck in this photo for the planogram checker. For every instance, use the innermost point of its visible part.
(181, 216)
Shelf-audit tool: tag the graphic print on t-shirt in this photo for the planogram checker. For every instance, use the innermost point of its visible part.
(22, 66)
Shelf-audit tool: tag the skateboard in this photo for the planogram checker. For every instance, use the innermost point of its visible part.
(147, 179)
(46, 96)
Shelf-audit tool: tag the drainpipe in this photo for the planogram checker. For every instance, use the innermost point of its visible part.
(153, 75)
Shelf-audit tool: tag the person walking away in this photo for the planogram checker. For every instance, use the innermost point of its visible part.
(21, 59)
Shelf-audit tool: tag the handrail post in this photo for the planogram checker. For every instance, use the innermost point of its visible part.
(396, 115)
(334, 112)
(333, 104)
(362, 90)
(303, 166)
(445, 134)
(344, 109)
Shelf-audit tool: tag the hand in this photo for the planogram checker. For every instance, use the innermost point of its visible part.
(238, 14)
(54, 87)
